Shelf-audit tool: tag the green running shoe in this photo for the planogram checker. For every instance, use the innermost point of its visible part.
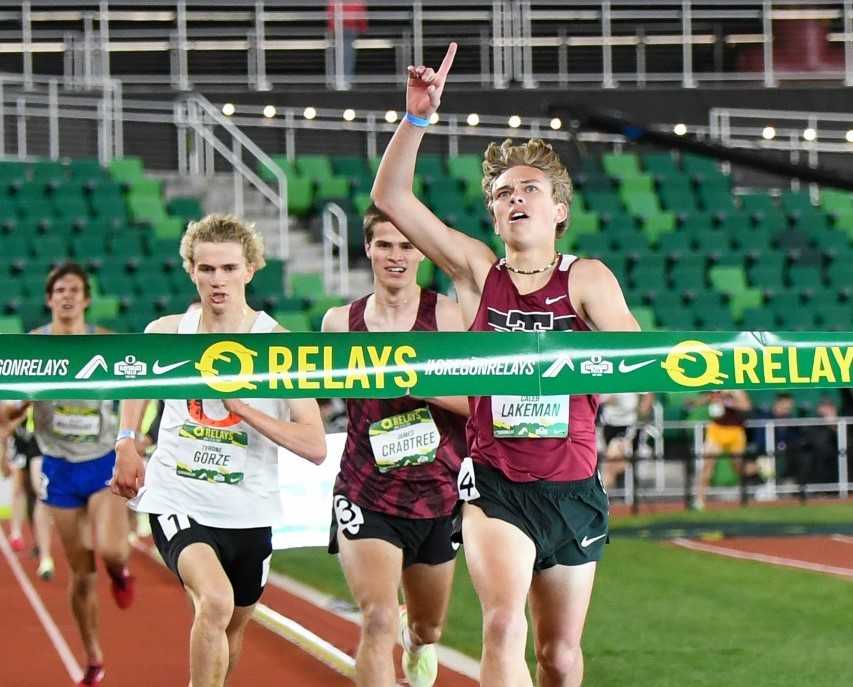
(420, 669)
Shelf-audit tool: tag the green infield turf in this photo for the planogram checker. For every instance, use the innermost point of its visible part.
(663, 616)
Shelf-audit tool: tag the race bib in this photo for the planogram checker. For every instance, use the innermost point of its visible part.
(76, 423)
(212, 454)
(530, 417)
(403, 440)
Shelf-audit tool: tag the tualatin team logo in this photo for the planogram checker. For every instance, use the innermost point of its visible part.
(227, 352)
(692, 351)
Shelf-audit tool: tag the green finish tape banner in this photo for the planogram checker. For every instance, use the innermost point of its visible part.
(384, 365)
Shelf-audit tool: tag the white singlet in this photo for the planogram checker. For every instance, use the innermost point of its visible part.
(210, 465)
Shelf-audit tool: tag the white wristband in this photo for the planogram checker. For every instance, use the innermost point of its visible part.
(125, 434)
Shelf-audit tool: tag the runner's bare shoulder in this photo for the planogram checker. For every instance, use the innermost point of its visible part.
(336, 319)
(168, 324)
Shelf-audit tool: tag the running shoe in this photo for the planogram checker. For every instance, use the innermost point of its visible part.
(123, 586)
(94, 675)
(17, 543)
(420, 667)
(46, 569)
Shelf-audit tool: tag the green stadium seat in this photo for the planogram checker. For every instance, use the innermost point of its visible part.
(315, 167)
(765, 276)
(308, 285)
(834, 201)
(676, 319)
(660, 164)
(168, 228)
(716, 319)
(637, 184)
(279, 162)
(759, 319)
(805, 279)
(655, 226)
(584, 223)
(11, 324)
(642, 204)
(300, 195)
(645, 318)
(185, 207)
(294, 321)
(728, 280)
(674, 244)
(270, 279)
(741, 301)
(757, 202)
(426, 274)
(465, 167)
(352, 166)
(686, 278)
(621, 165)
(773, 220)
(796, 202)
(331, 189)
(678, 201)
(592, 245)
(127, 169)
(430, 166)
(603, 201)
(834, 316)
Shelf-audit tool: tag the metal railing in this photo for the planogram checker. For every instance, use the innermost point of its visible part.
(604, 42)
(335, 240)
(50, 99)
(204, 120)
(654, 473)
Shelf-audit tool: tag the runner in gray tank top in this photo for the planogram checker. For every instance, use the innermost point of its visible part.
(76, 438)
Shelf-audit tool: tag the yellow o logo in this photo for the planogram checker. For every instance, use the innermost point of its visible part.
(689, 350)
(223, 351)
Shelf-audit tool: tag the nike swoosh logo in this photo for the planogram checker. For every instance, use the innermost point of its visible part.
(630, 367)
(586, 541)
(549, 300)
(159, 369)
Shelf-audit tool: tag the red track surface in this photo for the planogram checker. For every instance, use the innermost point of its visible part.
(147, 645)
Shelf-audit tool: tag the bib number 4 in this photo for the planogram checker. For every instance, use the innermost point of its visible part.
(466, 481)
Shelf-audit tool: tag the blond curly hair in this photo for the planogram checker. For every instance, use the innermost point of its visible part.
(222, 229)
(534, 153)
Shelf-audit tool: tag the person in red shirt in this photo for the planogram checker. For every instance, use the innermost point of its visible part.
(346, 20)
(535, 518)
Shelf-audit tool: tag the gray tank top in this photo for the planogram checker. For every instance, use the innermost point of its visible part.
(75, 430)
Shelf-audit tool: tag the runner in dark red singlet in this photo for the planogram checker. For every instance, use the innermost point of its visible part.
(395, 494)
(535, 518)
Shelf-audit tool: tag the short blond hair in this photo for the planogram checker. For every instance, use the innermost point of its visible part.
(223, 229)
(534, 153)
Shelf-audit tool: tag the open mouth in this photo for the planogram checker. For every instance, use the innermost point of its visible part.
(517, 216)
(396, 270)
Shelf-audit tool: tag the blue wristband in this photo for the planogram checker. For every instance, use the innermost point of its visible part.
(414, 120)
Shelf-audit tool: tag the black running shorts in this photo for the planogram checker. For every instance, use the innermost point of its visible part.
(426, 540)
(244, 553)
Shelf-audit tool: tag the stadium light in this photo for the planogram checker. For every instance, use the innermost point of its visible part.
(433, 118)
(349, 114)
(228, 109)
(514, 121)
(473, 119)
(849, 136)
(309, 113)
(390, 116)
(769, 133)
(269, 111)
(556, 123)
(810, 134)
(679, 129)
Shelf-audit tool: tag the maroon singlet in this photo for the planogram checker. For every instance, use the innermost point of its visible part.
(503, 309)
(422, 491)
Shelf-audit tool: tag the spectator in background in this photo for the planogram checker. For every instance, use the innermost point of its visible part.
(349, 17)
(786, 439)
(620, 418)
(726, 433)
(819, 447)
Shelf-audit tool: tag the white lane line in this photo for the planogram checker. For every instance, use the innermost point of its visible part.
(73, 668)
(843, 538)
(763, 558)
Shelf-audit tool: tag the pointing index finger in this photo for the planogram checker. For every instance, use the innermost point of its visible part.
(447, 62)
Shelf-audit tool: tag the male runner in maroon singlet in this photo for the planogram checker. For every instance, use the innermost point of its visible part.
(395, 495)
(535, 518)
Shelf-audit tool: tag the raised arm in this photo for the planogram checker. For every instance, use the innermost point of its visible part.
(464, 259)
